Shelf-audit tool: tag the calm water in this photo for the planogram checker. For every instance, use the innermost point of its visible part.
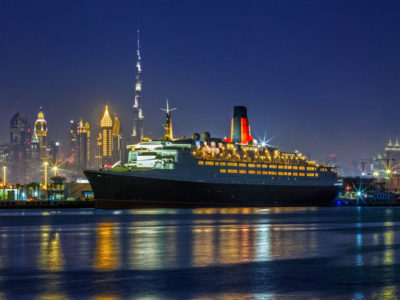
(337, 253)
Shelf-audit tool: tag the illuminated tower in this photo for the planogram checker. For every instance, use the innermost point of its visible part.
(72, 140)
(137, 131)
(392, 152)
(40, 131)
(99, 150)
(106, 125)
(35, 147)
(116, 141)
(83, 145)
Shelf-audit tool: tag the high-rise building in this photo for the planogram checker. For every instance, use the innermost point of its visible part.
(35, 147)
(98, 161)
(83, 145)
(106, 126)
(20, 147)
(79, 143)
(117, 141)
(4, 152)
(392, 151)
(40, 131)
(137, 131)
(53, 152)
(392, 154)
(72, 141)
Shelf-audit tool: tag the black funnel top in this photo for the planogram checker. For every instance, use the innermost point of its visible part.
(239, 112)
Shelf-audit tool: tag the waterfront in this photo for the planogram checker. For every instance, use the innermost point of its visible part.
(346, 253)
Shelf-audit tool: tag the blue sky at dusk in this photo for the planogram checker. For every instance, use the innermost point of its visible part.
(320, 76)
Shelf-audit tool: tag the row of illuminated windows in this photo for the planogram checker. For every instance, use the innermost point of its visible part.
(253, 172)
(251, 165)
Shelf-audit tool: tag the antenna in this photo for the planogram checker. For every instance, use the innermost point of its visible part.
(138, 43)
(168, 110)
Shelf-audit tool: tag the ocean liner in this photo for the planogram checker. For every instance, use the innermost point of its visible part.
(212, 172)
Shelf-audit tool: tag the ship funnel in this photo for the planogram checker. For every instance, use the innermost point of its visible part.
(240, 128)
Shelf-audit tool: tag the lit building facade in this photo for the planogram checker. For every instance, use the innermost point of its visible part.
(53, 152)
(19, 147)
(83, 145)
(106, 127)
(72, 140)
(137, 130)
(40, 133)
(117, 154)
(79, 143)
(99, 151)
(392, 151)
(4, 152)
(35, 147)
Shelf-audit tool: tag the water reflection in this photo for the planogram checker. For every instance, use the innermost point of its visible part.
(203, 246)
(107, 251)
(263, 246)
(51, 257)
(105, 297)
(151, 246)
(197, 254)
(51, 296)
(3, 251)
(388, 292)
(388, 240)
(359, 258)
(237, 296)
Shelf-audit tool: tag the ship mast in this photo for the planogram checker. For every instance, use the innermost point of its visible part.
(137, 130)
(168, 135)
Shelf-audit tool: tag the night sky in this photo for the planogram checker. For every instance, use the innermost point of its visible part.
(319, 76)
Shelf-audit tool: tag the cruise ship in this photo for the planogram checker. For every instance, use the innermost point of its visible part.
(212, 172)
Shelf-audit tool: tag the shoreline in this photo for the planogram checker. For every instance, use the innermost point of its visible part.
(5, 204)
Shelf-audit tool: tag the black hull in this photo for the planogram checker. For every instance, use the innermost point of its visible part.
(124, 191)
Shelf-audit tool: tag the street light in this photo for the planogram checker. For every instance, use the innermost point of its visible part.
(55, 169)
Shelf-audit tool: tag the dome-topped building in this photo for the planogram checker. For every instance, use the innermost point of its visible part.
(40, 133)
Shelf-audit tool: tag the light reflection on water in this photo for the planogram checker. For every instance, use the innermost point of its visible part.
(106, 256)
(205, 253)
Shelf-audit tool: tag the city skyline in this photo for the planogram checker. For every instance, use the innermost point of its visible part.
(327, 87)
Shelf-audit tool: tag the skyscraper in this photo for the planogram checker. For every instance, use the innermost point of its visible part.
(83, 145)
(40, 131)
(53, 152)
(116, 141)
(20, 147)
(137, 131)
(106, 126)
(4, 152)
(99, 151)
(35, 147)
(72, 140)
(392, 153)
